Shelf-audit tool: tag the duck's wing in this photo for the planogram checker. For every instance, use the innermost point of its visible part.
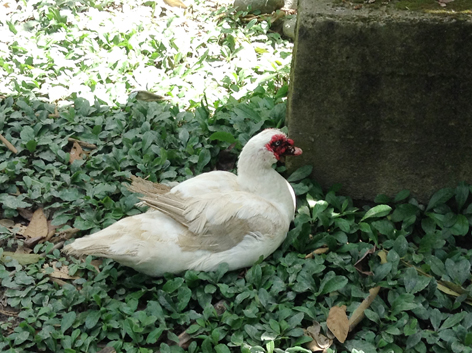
(219, 222)
(146, 187)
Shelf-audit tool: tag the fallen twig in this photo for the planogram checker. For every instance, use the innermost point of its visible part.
(65, 234)
(358, 314)
(82, 143)
(318, 251)
(8, 313)
(8, 144)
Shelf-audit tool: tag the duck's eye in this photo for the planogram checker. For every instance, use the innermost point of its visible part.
(277, 143)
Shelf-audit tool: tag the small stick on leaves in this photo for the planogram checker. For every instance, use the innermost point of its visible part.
(8, 144)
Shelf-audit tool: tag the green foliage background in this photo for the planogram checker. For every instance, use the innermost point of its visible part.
(226, 75)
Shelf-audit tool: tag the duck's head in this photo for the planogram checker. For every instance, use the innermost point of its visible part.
(268, 147)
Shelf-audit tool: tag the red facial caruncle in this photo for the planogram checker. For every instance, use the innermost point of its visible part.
(281, 146)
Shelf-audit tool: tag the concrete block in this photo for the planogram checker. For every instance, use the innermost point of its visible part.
(381, 99)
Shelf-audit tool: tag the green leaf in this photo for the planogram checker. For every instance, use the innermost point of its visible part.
(452, 321)
(184, 295)
(67, 321)
(461, 226)
(11, 27)
(333, 284)
(413, 340)
(300, 173)
(27, 134)
(403, 302)
(462, 193)
(13, 202)
(384, 226)
(459, 271)
(403, 212)
(436, 318)
(203, 159)
(128, 326)
(381, 271)
(282, 92)
(440, 197)
(318, 207)
(410, 279)
(377, 211)
(173, 284)
(402, 195)
(147, 139)
(221, 348)
(381, 198)
(401, 246)
(92, 319)
(357, 346)
(372, 315)
(154, 335)
(296, 320)
(21, 337)
(428, 225)
(222, 136)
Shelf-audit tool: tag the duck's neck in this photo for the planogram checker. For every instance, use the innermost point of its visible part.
(258, 177)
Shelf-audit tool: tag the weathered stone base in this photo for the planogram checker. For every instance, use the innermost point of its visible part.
(381, 100)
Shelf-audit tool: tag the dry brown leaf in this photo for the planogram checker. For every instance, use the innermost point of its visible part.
(26, 213)
(65, 234)
(38, 226)
(96, 263)
(75, 152)
(383, 256)
(338, 322)
(107, 350)
(58, 281)
(7, 223)
(320, 342)
(51, 231)
(59, 273)
(20, 229)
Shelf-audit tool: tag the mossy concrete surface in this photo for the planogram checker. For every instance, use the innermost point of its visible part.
(381, 99)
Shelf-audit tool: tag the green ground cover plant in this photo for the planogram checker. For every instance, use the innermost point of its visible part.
(69, 70)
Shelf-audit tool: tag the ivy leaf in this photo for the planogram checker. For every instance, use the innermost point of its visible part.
(402, 195)
(222, 136)
(203, 159)
(331, 285)
(67, 320)
(440, 197)
(92, 319)
(461, 226)
(459, 271)
(300, 173)
(403, 302)
(377, 211)
(462, 193)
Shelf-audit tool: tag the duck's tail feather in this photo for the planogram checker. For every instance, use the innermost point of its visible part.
(146, 187)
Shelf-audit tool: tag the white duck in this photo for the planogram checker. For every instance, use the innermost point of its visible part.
(213, 218)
